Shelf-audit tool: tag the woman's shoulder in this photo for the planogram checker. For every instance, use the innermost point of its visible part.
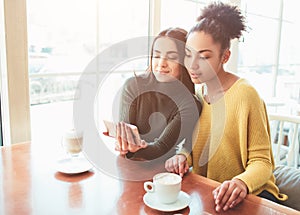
(245, 88)
(137, 80)
(245, 92)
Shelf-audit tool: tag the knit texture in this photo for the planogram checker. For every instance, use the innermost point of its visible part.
(164, 112)
(233, 135)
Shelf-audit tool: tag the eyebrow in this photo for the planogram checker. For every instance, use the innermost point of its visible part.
(201, 51)
(169, 52)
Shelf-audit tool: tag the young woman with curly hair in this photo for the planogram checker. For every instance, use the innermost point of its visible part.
(231, 142)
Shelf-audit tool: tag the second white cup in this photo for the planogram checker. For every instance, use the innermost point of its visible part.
(72, 142)
(166, 187)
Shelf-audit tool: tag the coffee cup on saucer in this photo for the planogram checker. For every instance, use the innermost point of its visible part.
(165, 186)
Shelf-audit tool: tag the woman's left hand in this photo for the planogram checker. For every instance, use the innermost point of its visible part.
(177, 164)
(229, 194)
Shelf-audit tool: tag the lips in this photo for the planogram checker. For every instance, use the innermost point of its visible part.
(162, 72)
(195, 75)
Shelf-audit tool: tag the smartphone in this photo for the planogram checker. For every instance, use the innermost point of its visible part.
(111, 129)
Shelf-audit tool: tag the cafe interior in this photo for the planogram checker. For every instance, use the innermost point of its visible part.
(48, 52)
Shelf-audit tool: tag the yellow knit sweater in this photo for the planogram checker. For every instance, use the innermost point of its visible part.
(233, 135)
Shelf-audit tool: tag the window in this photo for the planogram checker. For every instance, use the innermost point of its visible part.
(288, 82)
(268, 57)
(257, 56)
(183, 13)
(63, 38)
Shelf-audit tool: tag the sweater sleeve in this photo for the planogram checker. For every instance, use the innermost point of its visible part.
(164, 143)
(257, 152)
(128, 104)
(177, 135)
(130, 108)
(181, 118)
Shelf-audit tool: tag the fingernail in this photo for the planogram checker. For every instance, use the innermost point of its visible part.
(225, 208)
(217, 201)
(218, 208)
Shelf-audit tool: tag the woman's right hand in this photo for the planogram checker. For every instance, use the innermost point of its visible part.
(126, 140)
(177, 164)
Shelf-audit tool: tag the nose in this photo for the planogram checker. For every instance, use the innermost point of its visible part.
(162, 61)
(192, 63)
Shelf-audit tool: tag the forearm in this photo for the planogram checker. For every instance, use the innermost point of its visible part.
(256, 175)
(259, 165)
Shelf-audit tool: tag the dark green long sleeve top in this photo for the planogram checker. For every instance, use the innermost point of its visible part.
(164, 112)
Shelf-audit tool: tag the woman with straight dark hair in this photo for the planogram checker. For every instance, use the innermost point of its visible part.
(160, 103)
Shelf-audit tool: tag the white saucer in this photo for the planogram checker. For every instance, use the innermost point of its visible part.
(182, 202)
(73, 166)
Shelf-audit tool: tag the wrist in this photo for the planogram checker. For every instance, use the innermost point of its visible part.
(242, 184)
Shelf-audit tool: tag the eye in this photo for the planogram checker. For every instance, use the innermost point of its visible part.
(203, 58)
(188, 55)
(172, 57)
(156, 56)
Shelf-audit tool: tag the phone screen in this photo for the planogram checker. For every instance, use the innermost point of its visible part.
(111, 128)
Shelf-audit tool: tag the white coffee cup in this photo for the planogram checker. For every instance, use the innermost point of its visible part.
(72, 142)
(166, 187)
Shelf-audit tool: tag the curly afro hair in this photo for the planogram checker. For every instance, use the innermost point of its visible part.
(223, 22)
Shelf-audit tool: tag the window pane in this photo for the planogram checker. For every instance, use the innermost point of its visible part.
(257, 54)
(63, 38)
(262, 8)
(117, 24)
(288, 82)
(179, 13)
(121, 20)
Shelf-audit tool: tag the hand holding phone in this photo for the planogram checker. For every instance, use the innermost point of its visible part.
(127, 135)
(111, 129)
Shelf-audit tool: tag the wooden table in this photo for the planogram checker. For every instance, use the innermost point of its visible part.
(30, 185)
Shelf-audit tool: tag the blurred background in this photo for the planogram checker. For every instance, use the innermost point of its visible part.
(64, 36)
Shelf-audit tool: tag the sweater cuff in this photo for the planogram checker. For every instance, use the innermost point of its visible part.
(184, 152)
(187, 154)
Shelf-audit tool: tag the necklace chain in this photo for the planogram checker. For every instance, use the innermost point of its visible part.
(211, 98)
(219, 93)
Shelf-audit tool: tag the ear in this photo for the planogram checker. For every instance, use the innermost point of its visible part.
(226, 56)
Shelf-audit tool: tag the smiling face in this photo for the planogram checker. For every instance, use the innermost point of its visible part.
(203, 57)
(165, 60)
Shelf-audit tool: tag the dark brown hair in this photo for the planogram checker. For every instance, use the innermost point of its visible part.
(223, 22)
